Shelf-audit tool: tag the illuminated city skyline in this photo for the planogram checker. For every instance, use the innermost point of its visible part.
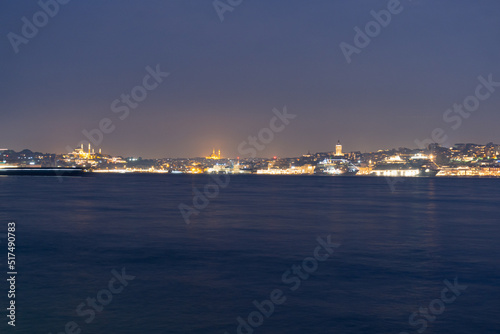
(217, 82)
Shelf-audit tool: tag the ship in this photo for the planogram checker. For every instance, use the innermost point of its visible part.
(417, 165)
(336, 167)
(41, 171)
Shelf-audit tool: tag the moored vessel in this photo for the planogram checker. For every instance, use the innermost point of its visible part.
(417, 165)
(42, 171)
(336, 167)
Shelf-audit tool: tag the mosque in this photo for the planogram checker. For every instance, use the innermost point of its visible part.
(215, 156)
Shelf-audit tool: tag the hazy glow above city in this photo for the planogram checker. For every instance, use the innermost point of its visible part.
(225, 78)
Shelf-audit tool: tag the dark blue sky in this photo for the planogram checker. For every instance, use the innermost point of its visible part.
(226, 77)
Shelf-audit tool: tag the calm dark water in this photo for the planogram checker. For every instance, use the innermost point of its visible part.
(396, 250)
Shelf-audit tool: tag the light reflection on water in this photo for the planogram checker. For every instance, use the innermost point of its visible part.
(397, 248)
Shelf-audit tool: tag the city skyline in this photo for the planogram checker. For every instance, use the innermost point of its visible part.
(216, 83)
(462, 160)
(337, 149)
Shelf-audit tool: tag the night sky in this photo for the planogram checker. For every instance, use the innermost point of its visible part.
(226, 77)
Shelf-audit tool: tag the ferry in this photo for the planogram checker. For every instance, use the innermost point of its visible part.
(41, 171)
(417, 165)
(336, 167)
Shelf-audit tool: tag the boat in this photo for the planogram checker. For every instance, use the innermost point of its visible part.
(417, 165)
(42, 171)
(336, 167)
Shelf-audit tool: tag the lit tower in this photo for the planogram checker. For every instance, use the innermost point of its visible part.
(338, 149)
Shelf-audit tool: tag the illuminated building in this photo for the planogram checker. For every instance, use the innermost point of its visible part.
(80, 153)
(81, 157)
(338, 149)
(218, 169)
(292, 170)
(214, 156)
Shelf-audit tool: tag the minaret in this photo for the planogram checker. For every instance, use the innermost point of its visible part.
(338, 149)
